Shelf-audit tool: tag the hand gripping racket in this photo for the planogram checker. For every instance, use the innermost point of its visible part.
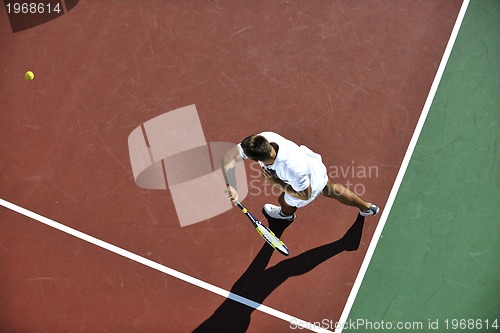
(265, 232)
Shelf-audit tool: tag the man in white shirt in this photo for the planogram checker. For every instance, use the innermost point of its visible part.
(296, 170)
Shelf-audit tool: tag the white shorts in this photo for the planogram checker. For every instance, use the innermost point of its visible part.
(319, 179)
(292, 201)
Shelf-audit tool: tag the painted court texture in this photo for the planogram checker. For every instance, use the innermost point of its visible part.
(349, 79)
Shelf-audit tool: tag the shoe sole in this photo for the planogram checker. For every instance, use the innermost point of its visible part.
(278, 219)
(371, 212)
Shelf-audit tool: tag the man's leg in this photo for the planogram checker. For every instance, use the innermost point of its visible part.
(282, 212)
(345, 196)
(286, 209)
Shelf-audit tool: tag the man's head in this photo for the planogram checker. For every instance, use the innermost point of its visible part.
(256, 147)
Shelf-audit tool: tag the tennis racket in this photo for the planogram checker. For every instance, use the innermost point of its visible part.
(265, 232)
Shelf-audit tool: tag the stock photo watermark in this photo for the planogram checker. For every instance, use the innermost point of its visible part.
(455, 324)
(353, 178)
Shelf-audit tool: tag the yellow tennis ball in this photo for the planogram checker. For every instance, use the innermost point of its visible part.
(29, 75)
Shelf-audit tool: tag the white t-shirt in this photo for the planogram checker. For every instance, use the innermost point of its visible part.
(296, 165)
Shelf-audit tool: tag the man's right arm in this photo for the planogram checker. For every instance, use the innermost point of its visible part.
(228, 170)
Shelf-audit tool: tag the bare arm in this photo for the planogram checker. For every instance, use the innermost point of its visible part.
(228, 170)
(271, 178)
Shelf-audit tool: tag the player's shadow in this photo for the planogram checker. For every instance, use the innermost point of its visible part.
(257, 282)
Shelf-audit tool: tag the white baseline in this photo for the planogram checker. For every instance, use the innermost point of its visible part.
(161, 268)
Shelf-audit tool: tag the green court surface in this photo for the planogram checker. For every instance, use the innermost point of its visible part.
(438, 260)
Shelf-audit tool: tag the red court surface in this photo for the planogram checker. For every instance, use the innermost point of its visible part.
(348, 79)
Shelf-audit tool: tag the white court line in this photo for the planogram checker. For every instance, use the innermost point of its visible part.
(402, 169)
(181, 276)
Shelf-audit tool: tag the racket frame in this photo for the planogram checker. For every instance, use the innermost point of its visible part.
(264, 231)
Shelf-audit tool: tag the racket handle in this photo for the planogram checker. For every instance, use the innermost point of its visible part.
(243, 209)
(239, 204)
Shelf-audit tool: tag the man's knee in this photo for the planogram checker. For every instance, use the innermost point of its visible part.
(284, 205)
(282, 201)
(333, 190)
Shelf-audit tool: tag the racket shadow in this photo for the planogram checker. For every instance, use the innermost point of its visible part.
(257, 282)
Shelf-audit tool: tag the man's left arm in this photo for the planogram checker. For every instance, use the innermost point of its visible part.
(271, 177)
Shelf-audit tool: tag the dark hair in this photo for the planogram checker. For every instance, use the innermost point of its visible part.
(256, 147)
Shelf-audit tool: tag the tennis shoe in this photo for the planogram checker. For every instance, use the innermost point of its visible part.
(373, 210)
(275, 213)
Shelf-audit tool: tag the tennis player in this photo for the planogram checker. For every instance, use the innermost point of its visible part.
(295, 170)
